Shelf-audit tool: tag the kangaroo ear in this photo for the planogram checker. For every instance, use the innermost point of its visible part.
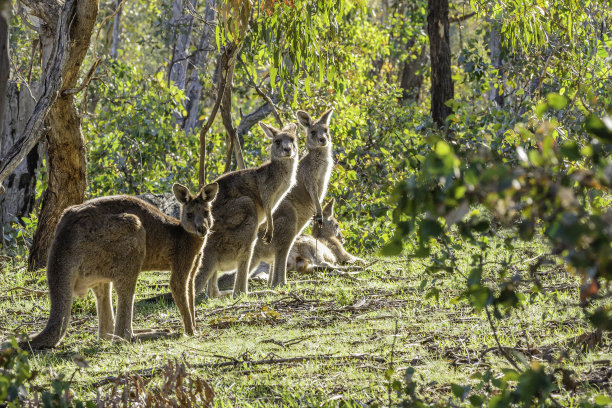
(209, 192)
(328, 210)
(181, 193)
(304, 118)
(326, 117)
(269, 131)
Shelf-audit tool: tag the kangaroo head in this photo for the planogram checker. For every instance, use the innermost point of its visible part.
(330, 227)
(195, 209)
(284, 141)
(317, 132)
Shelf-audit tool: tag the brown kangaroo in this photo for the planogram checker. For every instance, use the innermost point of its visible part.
(324, 248)
(246, 198)
(303, 201)
(107, 241)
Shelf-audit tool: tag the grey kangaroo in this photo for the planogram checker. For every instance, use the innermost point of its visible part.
(107, 241)
(246, 198)
(303, 201)
(324, 248)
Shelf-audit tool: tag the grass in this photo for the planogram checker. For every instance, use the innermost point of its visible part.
(287, 348)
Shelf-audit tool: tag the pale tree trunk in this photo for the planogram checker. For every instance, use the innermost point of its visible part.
(116, 28)
(4, 56)
(497, 63)
(194, 86)
(183, 24)
(18, 199)
(66, 160)
(439, 46)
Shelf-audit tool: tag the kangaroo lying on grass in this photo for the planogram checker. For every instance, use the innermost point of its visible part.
(302, 202)
(107, 241)
(246, 198)
(324, 248)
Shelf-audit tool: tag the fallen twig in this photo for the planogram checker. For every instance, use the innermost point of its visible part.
(33, 291)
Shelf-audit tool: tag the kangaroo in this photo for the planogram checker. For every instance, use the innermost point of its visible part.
(246, 198)
(107, 241)
(324, 248)
(303, 201)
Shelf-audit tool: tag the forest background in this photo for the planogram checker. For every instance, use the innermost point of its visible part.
(462, 130)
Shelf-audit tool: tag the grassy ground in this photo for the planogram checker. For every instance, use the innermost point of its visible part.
(325, 339)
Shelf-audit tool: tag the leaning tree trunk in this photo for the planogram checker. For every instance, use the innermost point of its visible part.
(439, 47)
(18, 199)
(66, 158)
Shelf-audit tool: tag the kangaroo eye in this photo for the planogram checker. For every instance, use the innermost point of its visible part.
(189, 215)
(278, 142)
(313, 133)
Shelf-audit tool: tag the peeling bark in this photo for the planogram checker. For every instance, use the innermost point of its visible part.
(18, 199)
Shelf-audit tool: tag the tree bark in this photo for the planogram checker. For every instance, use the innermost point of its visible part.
(183, 24)
(226, 111)
(497, 63)
(410, 77)
(439, 47)
(18, 199)
(194, 86)
(4, 56)
(116, 28)
(66, 158)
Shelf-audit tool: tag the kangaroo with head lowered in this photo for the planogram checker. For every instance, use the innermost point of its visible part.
(301, 204)
(324, 248)
(246, 198)
(107, 242)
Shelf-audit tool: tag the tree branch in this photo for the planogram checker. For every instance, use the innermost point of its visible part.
(202, 170)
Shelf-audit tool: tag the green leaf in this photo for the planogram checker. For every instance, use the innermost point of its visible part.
(557, 101)
(603, 400)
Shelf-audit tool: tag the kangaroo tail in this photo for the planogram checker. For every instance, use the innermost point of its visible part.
(59, 279)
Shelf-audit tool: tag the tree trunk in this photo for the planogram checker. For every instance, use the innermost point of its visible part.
(66, 158)
(183, 24)
(439, 49)
(4, 56)
(18, 199)
(410, 77)
(194, 86)
(497, 63)
(226, 112)
(116, 28)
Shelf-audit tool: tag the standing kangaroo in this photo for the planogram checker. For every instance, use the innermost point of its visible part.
(303, 201)
(246, 198)
(324, 248)
(107, 241)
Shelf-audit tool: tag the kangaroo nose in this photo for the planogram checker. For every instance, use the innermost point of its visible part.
(201, 230)
(287, 149)
(322, 140)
